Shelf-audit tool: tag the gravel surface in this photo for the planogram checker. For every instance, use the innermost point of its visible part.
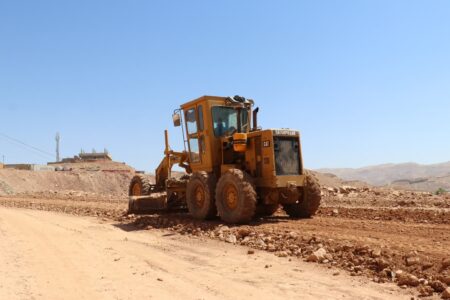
(385, 235)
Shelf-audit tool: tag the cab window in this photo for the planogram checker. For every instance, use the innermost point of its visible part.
(200, 118)
(195, 153)
(225, 120)
(191, 121)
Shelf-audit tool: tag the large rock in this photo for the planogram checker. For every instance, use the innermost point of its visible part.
(282, 254)
(407, 279)
(444, 278)
(426, 291)
(243, 232)
(437, 286)
(330, 189)
(381, 264)
(411, 261)
(345, 189)
(223, 228)
(317, 256)
(396, 193)
(446, 293)
(231, 238)
(445, 263)
(376, 253)
(260, 243)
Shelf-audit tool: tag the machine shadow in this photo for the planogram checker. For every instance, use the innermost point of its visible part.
(183, 222)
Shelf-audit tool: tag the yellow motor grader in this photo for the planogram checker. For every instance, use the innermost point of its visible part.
(233, 168)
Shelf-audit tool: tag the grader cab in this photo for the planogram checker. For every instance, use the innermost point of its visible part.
(234, 169)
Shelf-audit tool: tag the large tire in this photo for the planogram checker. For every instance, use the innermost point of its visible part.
(139, 186)
(309, 203)
(200, 195)
(236, 197)
(266, 210)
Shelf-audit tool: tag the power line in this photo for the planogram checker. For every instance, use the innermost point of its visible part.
(39, 151)
(32, 151)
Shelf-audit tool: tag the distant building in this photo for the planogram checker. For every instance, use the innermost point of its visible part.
(1, 166)
(87, 157)
(95, 156)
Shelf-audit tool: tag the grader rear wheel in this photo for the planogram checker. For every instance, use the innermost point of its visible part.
(200, 195)
(236, 197)
(309, 203)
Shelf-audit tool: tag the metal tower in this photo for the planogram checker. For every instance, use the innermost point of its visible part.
(57, 138)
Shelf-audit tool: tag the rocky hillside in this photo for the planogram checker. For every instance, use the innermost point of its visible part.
(408, 175)
(331, 180)
(431, 184)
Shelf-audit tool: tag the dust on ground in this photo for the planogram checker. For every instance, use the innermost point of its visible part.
(387, 236)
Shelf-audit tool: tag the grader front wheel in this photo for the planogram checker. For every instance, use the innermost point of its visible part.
(200, 195)
(236, 197)
(139, 186)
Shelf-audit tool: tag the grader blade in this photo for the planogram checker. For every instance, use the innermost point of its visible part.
(154, 202)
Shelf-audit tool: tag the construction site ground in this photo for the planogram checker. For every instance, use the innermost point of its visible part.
(364, 243)
(47, 255)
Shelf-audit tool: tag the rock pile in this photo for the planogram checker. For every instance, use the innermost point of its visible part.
(383, 204)
(382, 264)
(370, 196)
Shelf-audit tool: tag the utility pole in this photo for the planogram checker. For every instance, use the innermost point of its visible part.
(57, 138)
(3, 159)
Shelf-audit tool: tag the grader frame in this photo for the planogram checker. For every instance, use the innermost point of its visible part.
(232, 169)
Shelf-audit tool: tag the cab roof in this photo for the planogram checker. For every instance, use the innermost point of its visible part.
(202, 99)
(236, 100)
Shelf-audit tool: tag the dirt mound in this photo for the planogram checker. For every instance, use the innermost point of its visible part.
(47, 183)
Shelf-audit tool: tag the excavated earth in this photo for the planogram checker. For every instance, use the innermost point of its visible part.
(386, 235)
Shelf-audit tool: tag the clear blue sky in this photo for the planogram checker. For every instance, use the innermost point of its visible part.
(366, 82)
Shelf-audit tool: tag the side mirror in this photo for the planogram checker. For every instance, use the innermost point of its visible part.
(176, 120)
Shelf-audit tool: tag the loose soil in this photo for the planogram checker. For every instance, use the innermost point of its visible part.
(46, 255)
(385, 236)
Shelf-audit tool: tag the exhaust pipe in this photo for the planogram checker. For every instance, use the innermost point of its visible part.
(255, 119)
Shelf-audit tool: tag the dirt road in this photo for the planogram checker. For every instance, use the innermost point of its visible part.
(46, 255)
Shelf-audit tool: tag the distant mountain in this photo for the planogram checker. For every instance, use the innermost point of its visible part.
(407, 175)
